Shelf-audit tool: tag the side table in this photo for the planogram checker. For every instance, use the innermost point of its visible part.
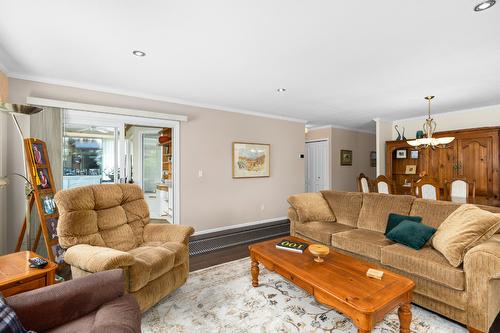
(16, 275)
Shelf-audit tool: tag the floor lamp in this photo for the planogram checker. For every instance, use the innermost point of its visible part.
(14, 109)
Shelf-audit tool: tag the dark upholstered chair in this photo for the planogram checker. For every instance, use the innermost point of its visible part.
(95, 303)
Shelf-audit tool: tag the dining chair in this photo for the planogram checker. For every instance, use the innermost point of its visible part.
(459, 190)
(427, 188)
(382, 184)
(363, 183)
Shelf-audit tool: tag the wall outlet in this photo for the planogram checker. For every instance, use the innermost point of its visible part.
(301, 155)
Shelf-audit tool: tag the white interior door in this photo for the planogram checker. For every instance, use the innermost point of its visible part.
(317, 166)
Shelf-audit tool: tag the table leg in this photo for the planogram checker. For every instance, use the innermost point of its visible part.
(255, 272)
(404, 314)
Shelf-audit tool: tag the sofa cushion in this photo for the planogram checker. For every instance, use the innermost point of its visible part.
(433, 212)
(150, 263)
(311, 207)
(411, 233)
(361, 241)
(111, 215)
(345, 205)
(426, 263)
(465, 228)
(395, 219)
(320, 231)
(377, 207)
(179, 249)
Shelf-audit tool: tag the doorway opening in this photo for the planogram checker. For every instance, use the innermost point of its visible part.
(107, 148)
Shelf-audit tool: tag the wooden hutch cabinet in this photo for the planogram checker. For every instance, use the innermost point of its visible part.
(474, 154)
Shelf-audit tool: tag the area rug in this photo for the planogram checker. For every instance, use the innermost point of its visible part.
(222, 299)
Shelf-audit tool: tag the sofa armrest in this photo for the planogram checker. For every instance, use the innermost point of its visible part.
(482, 272)
(294, 220)
(96, 258)
(49, 307)
(166, 232)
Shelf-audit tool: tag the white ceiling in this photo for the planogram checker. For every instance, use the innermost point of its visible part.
(342, 62)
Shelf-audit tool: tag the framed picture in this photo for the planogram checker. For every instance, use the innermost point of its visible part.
(373, 159)
(38, 153)
(51, 224)
(42, 179)
(411, 169)
(58, 253)
(345, 157)
(414, 154)
(48, 204)
(401, 153)
(251, 160)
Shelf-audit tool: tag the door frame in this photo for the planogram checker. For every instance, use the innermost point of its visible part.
(328, 158)
(105, 117)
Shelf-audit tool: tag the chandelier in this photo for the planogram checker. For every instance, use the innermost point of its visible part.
(429, 129)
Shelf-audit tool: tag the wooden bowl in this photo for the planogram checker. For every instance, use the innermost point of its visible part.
(319, 251)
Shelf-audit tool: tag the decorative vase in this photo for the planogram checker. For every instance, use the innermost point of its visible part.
(420, 134)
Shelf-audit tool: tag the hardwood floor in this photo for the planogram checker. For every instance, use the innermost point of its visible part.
(217, 257)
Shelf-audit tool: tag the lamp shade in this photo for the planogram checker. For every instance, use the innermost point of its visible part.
(19, 108)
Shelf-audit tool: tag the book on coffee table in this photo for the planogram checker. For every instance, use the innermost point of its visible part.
(292, 246)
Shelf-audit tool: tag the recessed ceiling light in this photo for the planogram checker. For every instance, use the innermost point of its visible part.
(484, 4)
(281, 89)
(138, 53)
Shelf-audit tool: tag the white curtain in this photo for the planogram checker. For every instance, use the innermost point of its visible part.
(108, 155)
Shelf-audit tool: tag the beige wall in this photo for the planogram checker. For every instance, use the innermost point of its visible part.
(343, 178)
(216, 199)
(3, 166)
(3, 87)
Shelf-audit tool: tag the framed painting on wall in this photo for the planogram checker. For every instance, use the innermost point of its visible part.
(251, 160)
(345, 157)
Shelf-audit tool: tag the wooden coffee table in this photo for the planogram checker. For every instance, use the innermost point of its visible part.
(340, 282)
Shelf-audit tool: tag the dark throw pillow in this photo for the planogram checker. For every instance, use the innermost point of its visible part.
(411, 233)
(394, 219)
(9, 322)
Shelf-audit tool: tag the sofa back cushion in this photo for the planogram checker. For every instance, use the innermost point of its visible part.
(345, 205)
(433, 212)
(112, 215)
(311, 207)
(377, 207)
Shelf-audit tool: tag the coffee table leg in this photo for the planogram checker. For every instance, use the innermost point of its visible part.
(255, 272)
(404, 314)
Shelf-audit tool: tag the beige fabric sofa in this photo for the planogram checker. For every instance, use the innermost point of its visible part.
(469, 294)
(104, 227)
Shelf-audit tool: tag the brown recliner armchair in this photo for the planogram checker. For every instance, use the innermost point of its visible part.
(96, 304)
(104, 227)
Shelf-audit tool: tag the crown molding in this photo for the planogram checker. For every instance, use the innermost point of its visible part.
(352, 129)
(457, 112)
(129, 93)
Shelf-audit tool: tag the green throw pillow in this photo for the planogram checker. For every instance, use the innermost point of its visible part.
(411, 233)
(395, 219)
